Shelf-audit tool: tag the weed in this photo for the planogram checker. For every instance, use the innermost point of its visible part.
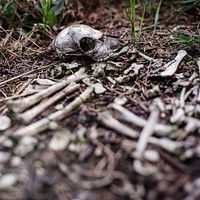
(48, 14)
(157, 17)
(6, 11)
(130, 11)
(187, 39)
(187, 5)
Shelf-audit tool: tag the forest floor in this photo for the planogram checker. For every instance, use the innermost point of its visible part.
(136, 135)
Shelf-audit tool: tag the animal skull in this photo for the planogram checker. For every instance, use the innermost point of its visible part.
(84, 40)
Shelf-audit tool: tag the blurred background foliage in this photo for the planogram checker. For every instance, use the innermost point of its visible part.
(26, 13)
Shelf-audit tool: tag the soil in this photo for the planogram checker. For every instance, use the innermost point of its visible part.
(100, 161)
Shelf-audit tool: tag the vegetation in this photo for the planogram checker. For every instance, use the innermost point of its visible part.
(47, 13)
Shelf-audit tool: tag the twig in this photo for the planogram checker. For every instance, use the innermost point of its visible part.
(23, 104)
(29, 115)
(26, 73)
(45, 123)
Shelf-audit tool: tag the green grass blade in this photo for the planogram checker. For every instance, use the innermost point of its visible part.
(157, 17)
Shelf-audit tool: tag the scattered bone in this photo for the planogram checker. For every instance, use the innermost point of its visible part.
(5, 123)
(153, 92)
(120, 100)
(60, 141)
(193, 124)
(98, 88)
(147, 131)
(198, 63)
(45, 123)
(29, 115)
(44, 82)
(21, 105)
(192, 189)
(147, 57)
(151, 155)
(7, 181)
(128, 145)
(178, 116)
(144, 169)
(182, 98)
(135, 68)
(107, 120)
(26, 145)
(166, 144)
(172, 66)
(128, 116)
(4, 156)
(16, 161)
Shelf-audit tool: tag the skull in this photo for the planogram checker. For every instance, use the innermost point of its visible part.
(84, 40)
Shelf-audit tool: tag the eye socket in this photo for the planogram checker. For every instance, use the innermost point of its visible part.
(87, 44)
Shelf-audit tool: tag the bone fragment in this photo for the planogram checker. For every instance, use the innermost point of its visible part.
(166, 144)
(30, 114)
(147, 57)
(128, 116)
(23, 104)
(117, 54)
(192, 124)
(147, 131)
(172, 66)
(107, 120)
(198, 63)
(45, 123)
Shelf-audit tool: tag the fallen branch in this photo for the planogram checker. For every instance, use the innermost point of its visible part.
(45, 123)
(29, 115)
(23, 104)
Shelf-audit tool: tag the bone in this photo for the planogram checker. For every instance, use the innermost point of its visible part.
(198, 64)
(107, 120)
(23, 104)
(46, 123)
(128, 116)
(172, 66)
(29, 115)
(147, 57)
(147, 131)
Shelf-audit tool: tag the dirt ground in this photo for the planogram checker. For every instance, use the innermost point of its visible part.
(135, 137)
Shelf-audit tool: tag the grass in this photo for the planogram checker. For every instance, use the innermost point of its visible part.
(47, 12)
(29, 13)
(187, 39)
(187, 5)
(131, 13)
